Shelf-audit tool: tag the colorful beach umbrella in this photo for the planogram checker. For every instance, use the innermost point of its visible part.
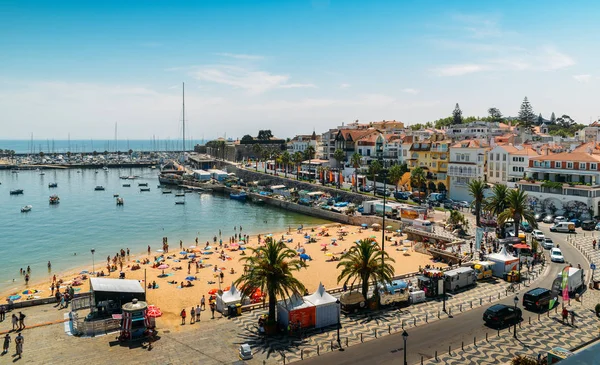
(153, 312)
(333, 239)
(162, 266)
(160, 250)
(213, 291)
(14, 297)
(182, 252)
(192, 246)
(304, 256)
(364, 225)
(29, 292)
(329, 254)
(227, 288)
(323, 244)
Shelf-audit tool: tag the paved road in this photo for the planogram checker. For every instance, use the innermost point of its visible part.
(438, 336)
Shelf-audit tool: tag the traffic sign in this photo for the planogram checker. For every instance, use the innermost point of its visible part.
(593, 266)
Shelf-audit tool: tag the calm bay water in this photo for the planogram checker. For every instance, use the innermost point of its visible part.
(100, 145)
(87, 219)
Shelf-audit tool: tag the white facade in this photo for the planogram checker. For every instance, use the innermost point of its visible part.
(477, 129)
(508, 164)
(466, 164)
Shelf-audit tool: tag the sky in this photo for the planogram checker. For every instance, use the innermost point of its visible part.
(78, 67)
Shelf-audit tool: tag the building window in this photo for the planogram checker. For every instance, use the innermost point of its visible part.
(593, 166)
(491, 157)
(368, 152)
(582, 165)
(491, 165)
(504, 157)
(497, 174)
(557, 164)
(497, 156)
(360, 151)
(570, 165)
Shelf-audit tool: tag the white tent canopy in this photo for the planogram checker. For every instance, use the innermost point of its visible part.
(230, 297)
(295, 304)
(503, 262)
(327, 309)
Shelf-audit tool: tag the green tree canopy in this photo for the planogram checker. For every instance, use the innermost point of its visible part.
(526, 115)
(457, 115)
(265, 134)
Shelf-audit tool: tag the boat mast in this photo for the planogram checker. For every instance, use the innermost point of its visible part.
(183, 91)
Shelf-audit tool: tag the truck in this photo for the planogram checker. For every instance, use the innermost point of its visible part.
(395, 292)
(376, 207)
(409, 213)
(483, 269)
(460, 278)
(575, 282)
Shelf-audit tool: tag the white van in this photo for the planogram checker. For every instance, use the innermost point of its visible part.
(563, 227)
(423, 225)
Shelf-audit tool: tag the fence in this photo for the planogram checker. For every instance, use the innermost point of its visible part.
(99, 327)
(84, 301)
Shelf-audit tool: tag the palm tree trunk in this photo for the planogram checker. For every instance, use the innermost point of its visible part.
(285, 171)
(365, 287)
(355, 181)
(272, 303)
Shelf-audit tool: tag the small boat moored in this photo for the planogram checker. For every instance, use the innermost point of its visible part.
(142, 184)
(180, 194)
(99, 188)
(167, 192)
(241, 196)
(144, 189)
(54, 199)
(115, 195)
(16, 192)
(126, 185)
(120, 201)
(26, 209)
(180, 202)
(52, 185)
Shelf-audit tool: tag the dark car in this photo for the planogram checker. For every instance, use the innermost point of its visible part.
(416, 199)
(576, 222)
(537, 299)
(500, 314)
(365, 188)
(588, 225)
(401, 195)
(538, 217)
(382, 191)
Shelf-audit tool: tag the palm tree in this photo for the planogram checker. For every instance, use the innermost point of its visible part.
(374, 168)
(270, 269)
(417, 179)
(517, 210)
(476, 188)
(285, 160)
(339, 156)
(266, 154)
(355, 161)
(309, 153)
(297, 157)
(497, 203)
(395, 174)
(257, 149)
(363, 263)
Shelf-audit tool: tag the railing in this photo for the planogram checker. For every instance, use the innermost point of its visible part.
(82, 302)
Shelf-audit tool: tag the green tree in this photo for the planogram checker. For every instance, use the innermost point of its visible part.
(517, 210)
(363, 263)
(457, 115)
(498, 202)
(270, 268)
(441, 187)
(285, 160)
(309, 154)
(264, 135)
(297, 158)
(476, 188)
(417, 179)
(257, 150)
(526, 115)
(540, 120)
(495, 115)
(266, 154)
(431, 186)
(395, 174)
(247, 139)
(553, 118)
(355, 161)
(457, 217)
(374, 169)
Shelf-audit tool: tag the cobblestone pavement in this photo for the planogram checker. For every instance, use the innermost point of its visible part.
(364, 327)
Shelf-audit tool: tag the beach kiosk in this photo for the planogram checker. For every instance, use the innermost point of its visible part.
(134, 322)
(503, 263)
(296, 312)
(111, 294)
(327, 311)
(230, 302)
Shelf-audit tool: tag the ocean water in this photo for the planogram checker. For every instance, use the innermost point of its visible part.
(100, 145)
(87, 219)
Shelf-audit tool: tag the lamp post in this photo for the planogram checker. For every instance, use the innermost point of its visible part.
(93, 250)
(516, 300)
(338, 324)
(383, 175)
(444, 294)
(404, 337)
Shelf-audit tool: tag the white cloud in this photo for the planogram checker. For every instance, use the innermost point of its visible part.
(240, 56)
(583, 78)
(459, 70)
(410, 91)
(253, 81)
(344, 86)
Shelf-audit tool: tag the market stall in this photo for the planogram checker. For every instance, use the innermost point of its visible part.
(296, 311)
(327, 311)
(229, 300)
(503, 263)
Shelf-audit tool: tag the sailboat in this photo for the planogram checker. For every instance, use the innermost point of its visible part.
(173, 175)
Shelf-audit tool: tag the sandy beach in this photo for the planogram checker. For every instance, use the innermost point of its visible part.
(171, 298)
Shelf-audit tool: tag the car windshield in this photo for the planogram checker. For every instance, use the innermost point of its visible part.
(556, 252)
(549, 240)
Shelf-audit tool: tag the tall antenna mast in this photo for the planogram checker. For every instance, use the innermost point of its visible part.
(116, 145)
(183, 116)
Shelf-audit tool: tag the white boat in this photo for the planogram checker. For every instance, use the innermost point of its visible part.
(120, 201)
(105, 168)
(26, 208)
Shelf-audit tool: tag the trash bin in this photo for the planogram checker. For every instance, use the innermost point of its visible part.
(238, 308)
(231, 310)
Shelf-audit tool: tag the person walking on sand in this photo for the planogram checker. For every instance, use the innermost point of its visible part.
(180, 244)
(6, 343)
(2, 313)
(19, 340)
(197, 313)
(15, 321)
(183, 316)
(192, 316)
(203, 303)
(148, 249)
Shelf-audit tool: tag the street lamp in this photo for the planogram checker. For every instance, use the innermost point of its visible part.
(444, 294)
(93, 250)
(516, 300)
(338, 324)
(383, 175)
(404, 337)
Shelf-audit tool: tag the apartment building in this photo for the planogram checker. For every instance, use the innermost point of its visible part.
(506, 164)
(467, 162)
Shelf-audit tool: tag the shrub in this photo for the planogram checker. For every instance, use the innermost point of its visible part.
(523, 360)
(597, 309)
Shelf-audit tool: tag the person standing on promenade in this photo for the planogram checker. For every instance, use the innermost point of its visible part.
(183, 315)
(197, 313)
(6, 343)
(203, 303)
(2, 313)
(19, 340)
(21, 321)
(15, 321)
(192, 316)
(212, 310)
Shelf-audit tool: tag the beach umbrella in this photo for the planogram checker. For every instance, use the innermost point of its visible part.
(242, 248)
(14, 297)
(375, 225)
(207, 252)
(153, 312)
(241, 243)
(162, 266)
(328, 254)
(182, 252)
(372, 236)
(304, 256)
(190, 278)
(159, 250)
(234, 245)
(333, 239)
(389, 227)
(364, 225)
(227, 288)
(29, 292)
(192, 255)
(323, 244)
(213, 291)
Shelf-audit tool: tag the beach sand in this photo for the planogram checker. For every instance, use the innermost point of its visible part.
(171, 299)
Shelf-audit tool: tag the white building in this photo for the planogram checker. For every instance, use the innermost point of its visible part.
(477, 130)
(467, 162)
(506, 164)
(301, 142)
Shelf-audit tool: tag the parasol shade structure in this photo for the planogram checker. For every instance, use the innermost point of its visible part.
(375, 225)
(153, 312)
(162, 266)
(14, 297)
(521, 246)
(304, 256)
(213, 291)
(29, 292)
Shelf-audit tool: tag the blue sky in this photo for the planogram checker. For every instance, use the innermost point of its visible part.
(289, 66)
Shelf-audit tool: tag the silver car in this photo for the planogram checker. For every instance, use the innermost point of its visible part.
(547, 243)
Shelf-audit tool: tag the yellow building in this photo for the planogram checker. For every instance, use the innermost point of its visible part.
(432, 155)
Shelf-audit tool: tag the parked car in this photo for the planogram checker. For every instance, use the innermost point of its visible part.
(416, 199)
(537, 299)
(382, 191)
(500, 314)
(548, 219)
(538, 235)
(464, 204)
(576, 222)
(556, 255)
(547, 243)
(402, 195)
(365, 188)
(597, 226)
(538, 217)
(559, 219)
(526, 227)
(588, 225)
